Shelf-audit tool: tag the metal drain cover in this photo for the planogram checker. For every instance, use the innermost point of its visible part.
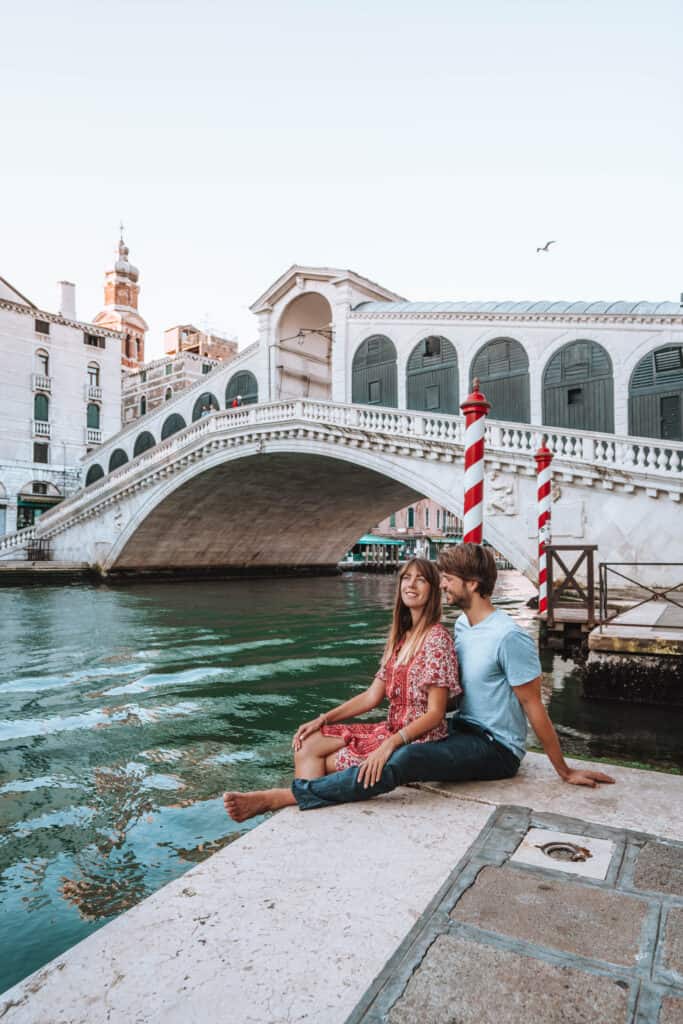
(561, 851)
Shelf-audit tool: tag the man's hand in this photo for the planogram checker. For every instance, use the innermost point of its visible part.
(585, 777)
(371, 768)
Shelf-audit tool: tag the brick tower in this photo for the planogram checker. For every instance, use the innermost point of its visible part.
(120, 310)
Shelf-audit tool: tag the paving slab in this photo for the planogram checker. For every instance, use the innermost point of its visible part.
(469, 983)
(672, 1011)
(584, 920)
(673, 942)
(659, 868)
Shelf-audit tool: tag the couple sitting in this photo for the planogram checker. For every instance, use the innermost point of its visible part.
(496, 676)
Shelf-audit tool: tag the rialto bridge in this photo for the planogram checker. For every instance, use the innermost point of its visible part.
(349, 411)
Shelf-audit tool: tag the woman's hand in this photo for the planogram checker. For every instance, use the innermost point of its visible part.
(307, 729)
(371, 768)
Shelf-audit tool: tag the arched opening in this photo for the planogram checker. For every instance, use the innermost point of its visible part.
(117, 458)
(303, 355)
(242, 388)
(33, 499)
(432, 376)
(41, 408)
(502, 367)
(374, 378)
(143, 442)
(42, 363)
(655, 395)
(93, 375)
(143, 406)
(204, 406)
(172, 424)
(169, 394)
(578, 388)
(93, 416)
(95, 472)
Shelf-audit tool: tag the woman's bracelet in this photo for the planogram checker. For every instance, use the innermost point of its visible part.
(403, 736)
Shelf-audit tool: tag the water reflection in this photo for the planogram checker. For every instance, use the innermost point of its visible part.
(124, 714)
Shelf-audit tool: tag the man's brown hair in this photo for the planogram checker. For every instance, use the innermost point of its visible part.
(470, 562)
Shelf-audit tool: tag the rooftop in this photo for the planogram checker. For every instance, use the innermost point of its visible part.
(522, 308)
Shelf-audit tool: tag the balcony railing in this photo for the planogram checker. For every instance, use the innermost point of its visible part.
(42, 428)
(94, 393)
(93, 436)
(41, 382)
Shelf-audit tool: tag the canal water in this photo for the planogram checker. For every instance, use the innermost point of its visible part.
(126, 712)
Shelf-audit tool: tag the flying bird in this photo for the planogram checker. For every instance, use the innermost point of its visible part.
(546, 247)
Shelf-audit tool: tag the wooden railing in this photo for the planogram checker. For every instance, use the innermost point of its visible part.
(570, 593)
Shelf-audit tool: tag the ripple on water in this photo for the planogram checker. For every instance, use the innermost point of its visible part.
(24, 728)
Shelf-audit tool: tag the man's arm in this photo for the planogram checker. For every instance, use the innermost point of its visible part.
(529, 696)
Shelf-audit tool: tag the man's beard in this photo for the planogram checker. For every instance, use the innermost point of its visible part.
(463, 602)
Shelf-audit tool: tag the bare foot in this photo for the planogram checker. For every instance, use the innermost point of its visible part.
(241, 806)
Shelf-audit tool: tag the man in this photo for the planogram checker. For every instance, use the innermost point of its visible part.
(501, 677)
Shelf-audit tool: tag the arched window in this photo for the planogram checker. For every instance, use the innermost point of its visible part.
(143, 405)
(655, 395)
(172, 424)
(411, 518)
(242, 385)
(578, 389)
(95, 472)
(117, 459)
(169, 394)
(42, 363)
(502, 367)
(374, 379)
(93, 415)
(41, 408)
(432, 376)
(204, 406)
(93, 375)
(143, 442)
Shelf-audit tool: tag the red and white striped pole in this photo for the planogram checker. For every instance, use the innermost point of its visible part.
(543, 459)
(475, 407)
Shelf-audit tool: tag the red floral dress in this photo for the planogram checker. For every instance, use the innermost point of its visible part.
(407, 687)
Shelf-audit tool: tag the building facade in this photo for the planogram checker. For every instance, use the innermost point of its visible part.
(187, 338)
(61, 396)
(160, 380)
(120, 310)
(422, 526)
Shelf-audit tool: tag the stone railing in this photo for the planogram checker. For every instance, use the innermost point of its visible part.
(657, 461)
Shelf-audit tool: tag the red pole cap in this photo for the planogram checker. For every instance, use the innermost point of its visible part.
(543, 456)
(475, 401)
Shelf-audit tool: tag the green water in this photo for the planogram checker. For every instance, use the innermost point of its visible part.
(125, 713)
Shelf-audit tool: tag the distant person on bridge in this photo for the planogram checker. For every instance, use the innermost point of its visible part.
(500, 674)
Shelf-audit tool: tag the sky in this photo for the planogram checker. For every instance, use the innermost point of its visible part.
(428, 146)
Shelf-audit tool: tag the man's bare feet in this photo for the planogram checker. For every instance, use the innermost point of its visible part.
(241, 806)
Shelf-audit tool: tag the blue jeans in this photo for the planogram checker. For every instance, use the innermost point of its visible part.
(468, 753)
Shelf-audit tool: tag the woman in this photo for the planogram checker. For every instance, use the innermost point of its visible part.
(418, 673)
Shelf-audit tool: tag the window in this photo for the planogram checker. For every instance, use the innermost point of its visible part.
(432, 346)
(169, 394)
(42, 327)
(43, 363)
(575, 396)
(438, 518)
(143, 405)
(432, 396)
(668, 359)
(206, 367)
(41, 408)
(93, 340)
(374, 391)
(93, 416)
(39, 487)
(41, 452)
(169, 369)
(392, 520)
(670, 417)
(93, 375)
(143, 377)
(426, 517)
(411, 518)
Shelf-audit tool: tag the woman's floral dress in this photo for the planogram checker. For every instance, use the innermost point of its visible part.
(407, 687)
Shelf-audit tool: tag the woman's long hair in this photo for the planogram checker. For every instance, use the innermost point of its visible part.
(403, 620)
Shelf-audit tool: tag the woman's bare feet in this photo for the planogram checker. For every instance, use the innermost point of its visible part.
(241, 806)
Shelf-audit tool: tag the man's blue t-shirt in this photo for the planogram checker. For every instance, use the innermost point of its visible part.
(494, 656)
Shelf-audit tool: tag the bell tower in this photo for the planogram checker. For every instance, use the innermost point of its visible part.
(120, 312)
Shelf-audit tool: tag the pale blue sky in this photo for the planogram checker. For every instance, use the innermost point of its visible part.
(430, 146)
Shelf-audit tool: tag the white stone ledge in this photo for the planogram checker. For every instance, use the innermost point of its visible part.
(292, 922)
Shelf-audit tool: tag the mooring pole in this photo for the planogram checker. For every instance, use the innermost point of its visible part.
(543, 459)
(475, 408)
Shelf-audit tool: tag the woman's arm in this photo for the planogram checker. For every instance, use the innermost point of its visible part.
(358, 705)
(371, 769)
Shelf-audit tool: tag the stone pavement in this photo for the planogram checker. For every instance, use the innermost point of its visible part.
(518, 932)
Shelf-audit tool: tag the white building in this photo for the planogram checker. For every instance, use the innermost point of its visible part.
(60, 382)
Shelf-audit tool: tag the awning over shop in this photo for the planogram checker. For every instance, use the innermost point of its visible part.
(370, 538)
